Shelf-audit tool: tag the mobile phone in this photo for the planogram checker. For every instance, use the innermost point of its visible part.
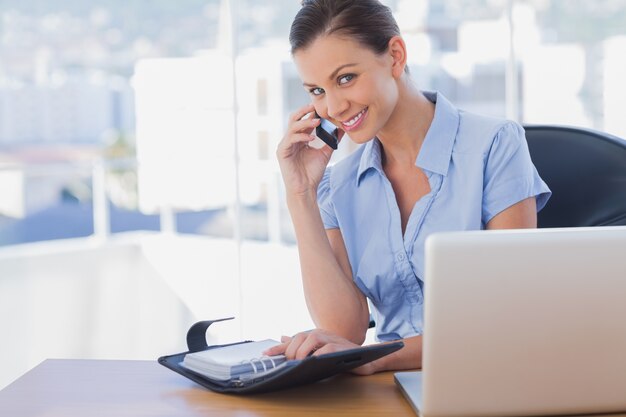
(327, 132)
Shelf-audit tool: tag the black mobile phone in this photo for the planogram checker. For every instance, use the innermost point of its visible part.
(327, 132)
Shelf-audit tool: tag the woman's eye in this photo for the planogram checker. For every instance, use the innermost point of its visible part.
(316, 91)
(344, 79)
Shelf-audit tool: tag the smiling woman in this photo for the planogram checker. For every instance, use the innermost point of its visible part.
(424, 167)
(357, 96)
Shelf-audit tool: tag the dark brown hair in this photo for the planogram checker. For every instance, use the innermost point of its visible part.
(367, 21)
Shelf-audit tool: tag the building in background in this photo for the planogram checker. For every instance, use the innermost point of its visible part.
(65, 109)
(65, 81)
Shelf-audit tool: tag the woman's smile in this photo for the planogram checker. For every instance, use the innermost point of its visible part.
(355, 121)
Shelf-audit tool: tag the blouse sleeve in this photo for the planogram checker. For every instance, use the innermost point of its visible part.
(325, 202)
(510, 175)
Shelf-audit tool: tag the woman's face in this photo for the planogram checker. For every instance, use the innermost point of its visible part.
(349, 85)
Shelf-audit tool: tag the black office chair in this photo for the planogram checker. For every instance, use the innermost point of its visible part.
(586, 171)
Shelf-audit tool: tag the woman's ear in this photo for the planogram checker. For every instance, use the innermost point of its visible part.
(397, 51)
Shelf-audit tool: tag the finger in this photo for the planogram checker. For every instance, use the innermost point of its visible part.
(305, 125)
(276, 350)
(293, 144)
(300, 138)
(285, 339)
(330, 348)
(311, 344)
(294, 345)
(302, 111)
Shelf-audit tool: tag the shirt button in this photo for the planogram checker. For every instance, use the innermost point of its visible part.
(400, 257)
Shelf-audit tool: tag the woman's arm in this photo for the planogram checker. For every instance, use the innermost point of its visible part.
(334, 301)
(409, 357)
(522, 215)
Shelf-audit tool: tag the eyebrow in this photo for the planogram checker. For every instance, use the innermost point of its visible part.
(333, 75)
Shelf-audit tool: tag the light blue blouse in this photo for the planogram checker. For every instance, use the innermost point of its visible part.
(476, 166)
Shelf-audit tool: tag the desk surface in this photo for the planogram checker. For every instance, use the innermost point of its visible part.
(70, 388)
(67, 388)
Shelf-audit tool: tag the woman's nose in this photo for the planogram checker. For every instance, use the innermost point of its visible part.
(336, 106)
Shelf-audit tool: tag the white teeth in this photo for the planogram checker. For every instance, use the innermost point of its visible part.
(354, 120)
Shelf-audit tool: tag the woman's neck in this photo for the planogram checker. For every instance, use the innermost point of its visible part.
(404, 133)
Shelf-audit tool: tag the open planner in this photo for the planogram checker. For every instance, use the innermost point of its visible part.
(242, 360)
(242, 368)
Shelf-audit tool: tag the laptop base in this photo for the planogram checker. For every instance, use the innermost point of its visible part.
(410, 384)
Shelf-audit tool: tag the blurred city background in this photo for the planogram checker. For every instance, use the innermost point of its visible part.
(138, 186)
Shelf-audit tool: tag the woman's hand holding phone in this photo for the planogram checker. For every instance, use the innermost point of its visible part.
(301, 165)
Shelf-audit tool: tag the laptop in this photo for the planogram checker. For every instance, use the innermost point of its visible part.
(522, 322)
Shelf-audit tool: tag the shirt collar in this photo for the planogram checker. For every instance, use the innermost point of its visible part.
(370, 158)
(436, 150)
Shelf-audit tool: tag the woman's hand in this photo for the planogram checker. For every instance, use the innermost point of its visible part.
(302, 166)
(316, 342)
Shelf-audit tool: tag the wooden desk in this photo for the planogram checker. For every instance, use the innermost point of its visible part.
(67, 388)
(85, 388)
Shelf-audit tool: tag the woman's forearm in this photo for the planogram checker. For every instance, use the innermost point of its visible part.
(409, 357)
(333, 300)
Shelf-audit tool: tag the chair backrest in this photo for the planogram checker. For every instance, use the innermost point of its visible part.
(586, 171)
